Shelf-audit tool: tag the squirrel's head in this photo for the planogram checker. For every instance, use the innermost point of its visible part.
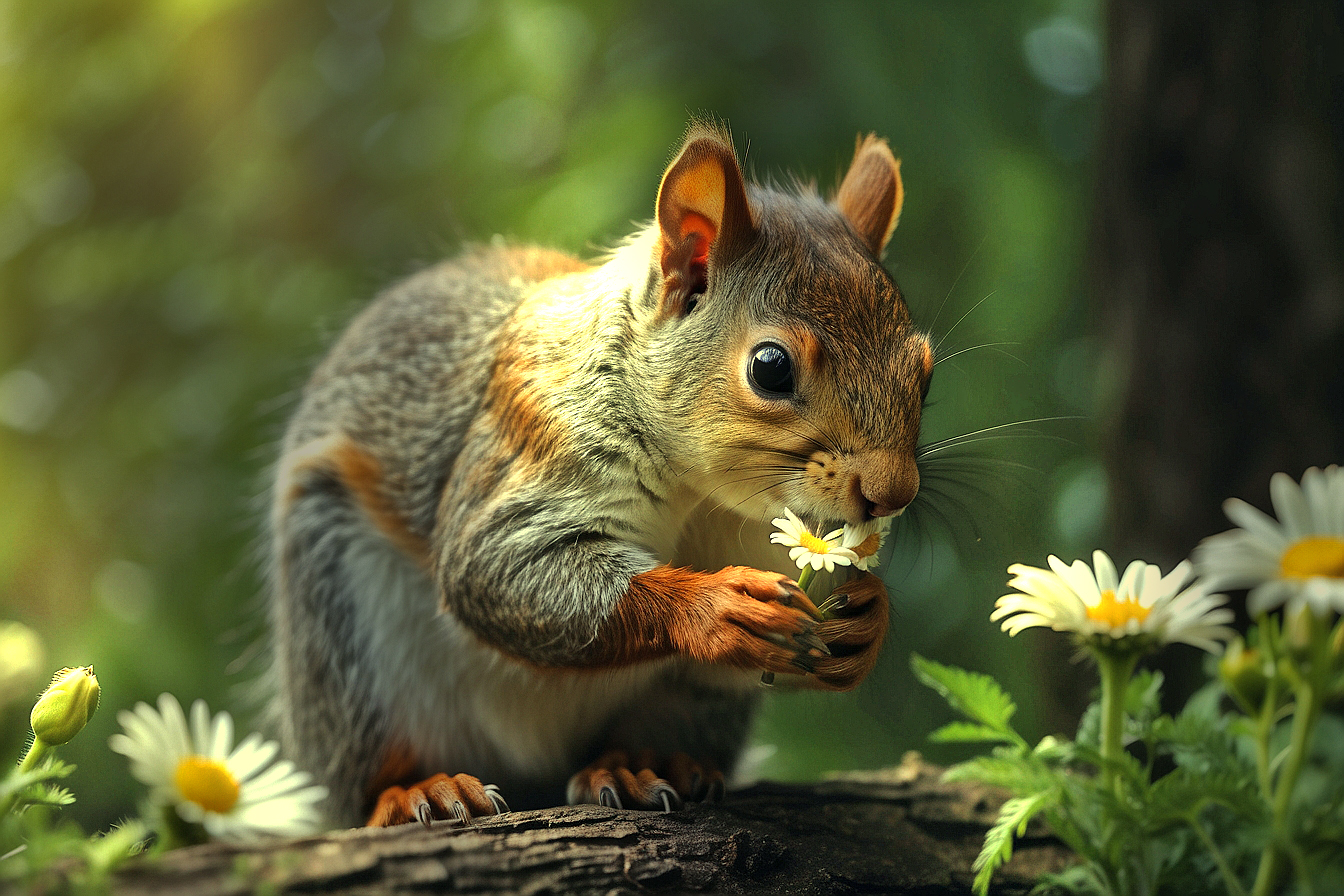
(779, 341)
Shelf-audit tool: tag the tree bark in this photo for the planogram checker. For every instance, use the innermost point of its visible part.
(900, 830)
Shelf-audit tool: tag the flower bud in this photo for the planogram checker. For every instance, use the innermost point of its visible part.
(1301, 627)
(1242, 670)
(66, 706)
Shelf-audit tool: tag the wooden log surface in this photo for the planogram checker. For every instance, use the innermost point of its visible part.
(897, 830)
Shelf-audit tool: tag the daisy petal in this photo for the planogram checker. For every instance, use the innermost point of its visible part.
(244, 793)
(1296, 560)
(1092, 601)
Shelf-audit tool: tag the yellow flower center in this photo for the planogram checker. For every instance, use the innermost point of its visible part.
(868, 547)
(207, 783)
(1316, 555)
(814, 544)
(1116, 614)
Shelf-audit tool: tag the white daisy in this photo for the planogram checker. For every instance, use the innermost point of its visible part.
(806, 549)
(1297, 559)
(1142, 605)
(235, 793)
(865, 540)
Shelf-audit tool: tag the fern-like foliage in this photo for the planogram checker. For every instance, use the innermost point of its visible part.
(1183, 811)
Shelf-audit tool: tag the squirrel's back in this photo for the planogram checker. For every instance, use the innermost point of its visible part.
(407, 376)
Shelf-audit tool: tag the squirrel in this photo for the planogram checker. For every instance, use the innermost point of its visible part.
(519, 519)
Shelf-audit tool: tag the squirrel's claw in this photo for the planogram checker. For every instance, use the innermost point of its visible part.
(798, 598)
(805, 663)
(616, 782)
(698, 781)
(806, 640)
(459, 797)
(812, 642)
(757, 620)
(496, 799)
(854, 633)
(607, 796)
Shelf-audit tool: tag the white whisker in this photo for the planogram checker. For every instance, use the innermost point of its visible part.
(943, 338)
(985, 435)
(994, 345)
(951, 289)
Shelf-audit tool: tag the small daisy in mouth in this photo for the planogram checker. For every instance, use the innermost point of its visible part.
(234, 793)
(1297, 559)
(865, 540)
(1142, 608)
(806, 549)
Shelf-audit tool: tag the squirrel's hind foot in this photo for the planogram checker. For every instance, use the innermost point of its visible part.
(614, 781)
(459, 797)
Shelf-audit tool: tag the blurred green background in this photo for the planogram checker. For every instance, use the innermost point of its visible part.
(195, 195)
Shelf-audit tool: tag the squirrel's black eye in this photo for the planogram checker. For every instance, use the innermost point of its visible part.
(771, 371)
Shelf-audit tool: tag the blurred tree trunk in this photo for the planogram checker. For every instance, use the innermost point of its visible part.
(1218, 266)
(1217, 272)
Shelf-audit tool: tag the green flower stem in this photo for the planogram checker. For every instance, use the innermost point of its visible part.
(1115, 670)
(1264, 730)
(1273, 860)
(171, 834)
(1269, 708)
(175, 831)
(805, 578)
(1314, 668)
(1304, 722)
(1230, 881)
(36, 750)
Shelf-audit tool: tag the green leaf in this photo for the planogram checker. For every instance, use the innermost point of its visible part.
(1012, 822)
(1021, 775)
(106, 852)
(1143, 695)
(1182, 794)
(968, 732)
(976, 696)
(28, 784)
(1204, 741)
(49, 795)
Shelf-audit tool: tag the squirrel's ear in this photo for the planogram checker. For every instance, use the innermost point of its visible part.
(870, 196)
(702, 213)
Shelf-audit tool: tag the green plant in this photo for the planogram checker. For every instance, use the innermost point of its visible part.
(37, 846)
(1242, 790)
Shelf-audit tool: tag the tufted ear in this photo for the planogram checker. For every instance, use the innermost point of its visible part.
(870, 196)
(703, 216)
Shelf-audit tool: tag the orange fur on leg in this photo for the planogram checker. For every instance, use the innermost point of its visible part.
(738, 616)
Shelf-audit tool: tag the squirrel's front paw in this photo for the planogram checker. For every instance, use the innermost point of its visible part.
(758, 620)
(853, 633)
(460, 797)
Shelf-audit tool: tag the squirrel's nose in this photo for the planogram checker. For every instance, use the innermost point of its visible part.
(886, 488)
